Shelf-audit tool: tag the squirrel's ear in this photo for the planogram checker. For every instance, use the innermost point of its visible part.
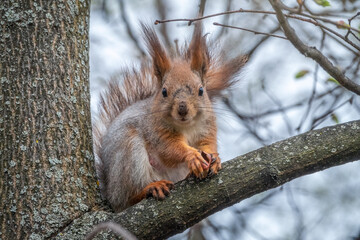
(161, 62)
(198, 53)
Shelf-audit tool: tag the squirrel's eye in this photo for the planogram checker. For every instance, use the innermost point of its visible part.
(164, 92)
(201, 91)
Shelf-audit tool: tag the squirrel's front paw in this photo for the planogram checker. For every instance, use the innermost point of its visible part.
(215, 164)
(197, 165)
(159, 189)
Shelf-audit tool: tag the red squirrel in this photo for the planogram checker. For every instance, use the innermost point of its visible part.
(157, 126)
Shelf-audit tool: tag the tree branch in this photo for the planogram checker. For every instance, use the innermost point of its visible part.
(312, 52)
(191, 20)
(249, 30)
(240, 178)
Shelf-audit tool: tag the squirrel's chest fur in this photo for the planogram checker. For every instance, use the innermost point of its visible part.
(135, 124)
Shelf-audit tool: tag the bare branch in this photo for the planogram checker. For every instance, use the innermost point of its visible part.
(343, 44)
(312, 52)
(327, 21)
(249, 30)
(253, 49)
(191, 20)
(324, 27)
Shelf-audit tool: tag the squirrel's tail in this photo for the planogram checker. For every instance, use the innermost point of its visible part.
(121, 92)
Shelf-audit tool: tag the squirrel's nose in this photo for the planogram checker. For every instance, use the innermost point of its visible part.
(183, 110)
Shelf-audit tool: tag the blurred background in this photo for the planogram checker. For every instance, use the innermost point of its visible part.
(281, 94)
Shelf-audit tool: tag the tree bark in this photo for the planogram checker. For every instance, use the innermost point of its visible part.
(240, 178)
(46, 169)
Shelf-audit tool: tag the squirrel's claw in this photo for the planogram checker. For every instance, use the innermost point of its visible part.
(197, 165)
(215, 164)
(202, 164)
(159, 190)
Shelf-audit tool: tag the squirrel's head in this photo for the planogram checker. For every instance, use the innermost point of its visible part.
(182, 96)
(187, 82)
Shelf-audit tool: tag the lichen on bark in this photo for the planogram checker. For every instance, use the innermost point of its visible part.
(47, 174)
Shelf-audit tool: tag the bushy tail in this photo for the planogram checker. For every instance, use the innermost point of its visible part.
(121, 92)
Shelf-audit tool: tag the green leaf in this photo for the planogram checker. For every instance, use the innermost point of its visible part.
(331, 79)
(323, 3)
(301, 74)
(334, 118)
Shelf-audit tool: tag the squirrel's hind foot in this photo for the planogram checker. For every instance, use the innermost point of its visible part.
(158, 190)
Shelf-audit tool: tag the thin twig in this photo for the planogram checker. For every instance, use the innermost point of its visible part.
(325, 20)
(323, 27)
(300, 103)
(253, 49)
(317, 121)
(252, 130)
(191, 20)
(312, 97)
(343, 44)
(277, 102)
(249, 30)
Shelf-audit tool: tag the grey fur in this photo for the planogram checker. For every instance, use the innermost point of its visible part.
(125, 159)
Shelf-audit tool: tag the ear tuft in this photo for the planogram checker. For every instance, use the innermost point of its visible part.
(198, 53)
(224, 75)
(161, 62)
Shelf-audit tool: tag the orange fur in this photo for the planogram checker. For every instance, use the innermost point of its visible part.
(158, 190)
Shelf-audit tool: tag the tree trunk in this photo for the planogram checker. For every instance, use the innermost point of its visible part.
(46, 169)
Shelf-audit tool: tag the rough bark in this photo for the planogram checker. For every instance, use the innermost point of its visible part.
(240, 178)
(46, 167)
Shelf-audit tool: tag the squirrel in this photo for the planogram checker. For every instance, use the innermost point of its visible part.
(157, 126)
